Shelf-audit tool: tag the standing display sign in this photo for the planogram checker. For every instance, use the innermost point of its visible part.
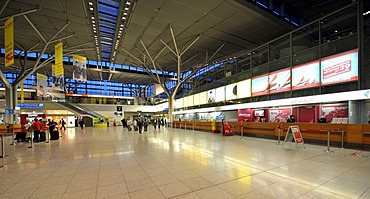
(294, 133)
(226, 128)
(9, 41)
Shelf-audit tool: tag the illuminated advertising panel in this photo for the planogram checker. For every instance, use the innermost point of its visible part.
(306, 75)
(244, 88)
(211, 96)
(186, 101)
(340, 68)
(196, 100)
(260, 85)
(220, 94)
(179, 103)
(231, 91)
(279, 81)
(203, 98)
(190, 100)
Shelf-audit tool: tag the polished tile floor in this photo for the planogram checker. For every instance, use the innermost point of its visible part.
(173, 163)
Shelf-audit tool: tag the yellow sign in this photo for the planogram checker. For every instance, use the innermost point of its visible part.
(9, 42)
(79, 58)
(22, 92)
(59, 70)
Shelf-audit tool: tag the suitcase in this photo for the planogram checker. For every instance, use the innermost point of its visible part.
(54, 135)
(20, 137)
(42, 136)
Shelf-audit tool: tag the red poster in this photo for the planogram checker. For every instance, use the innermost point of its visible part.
(279, 115)
(297, 134)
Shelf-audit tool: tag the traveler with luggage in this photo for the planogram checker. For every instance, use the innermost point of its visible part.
(63, 123)
(129, 123)
(36, 125)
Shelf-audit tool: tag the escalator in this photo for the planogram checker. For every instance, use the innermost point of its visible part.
(79, 110)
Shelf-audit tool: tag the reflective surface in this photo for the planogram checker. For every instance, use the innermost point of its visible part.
(173, 163)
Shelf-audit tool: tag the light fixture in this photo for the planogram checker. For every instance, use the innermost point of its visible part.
(90, 3)
(91, 8)
(125, 13)
(92, 17)
(128, 3)
(126, 8)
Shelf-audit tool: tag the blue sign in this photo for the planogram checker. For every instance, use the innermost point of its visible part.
(9, 112)
(31, 106)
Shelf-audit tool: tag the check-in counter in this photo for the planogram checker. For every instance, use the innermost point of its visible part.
(354, 135)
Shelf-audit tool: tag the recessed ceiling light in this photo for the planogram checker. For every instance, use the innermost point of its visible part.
(91, 8)
(125, 13)
(90, 3)
(126, 8)
(92, 17)
(123, 18)
(128, 3)
(93, 21)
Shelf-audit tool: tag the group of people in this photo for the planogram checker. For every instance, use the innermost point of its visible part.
(139, 124)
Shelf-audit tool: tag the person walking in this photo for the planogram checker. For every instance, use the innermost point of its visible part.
(159, 123)
(36, 130)
(140, 123)
(81, 123)
(155, 123)
(129, 123)
(63, 123)
(135, 124)
(145, 125)
(124, 122)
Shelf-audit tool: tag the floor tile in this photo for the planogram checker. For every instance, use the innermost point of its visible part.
(174, 189)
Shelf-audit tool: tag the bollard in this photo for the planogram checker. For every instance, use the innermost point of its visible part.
(342, 138)
(278, 142)
(328, 144)
(2, 146)
(47, 137)
(241, 132)
(32, 145)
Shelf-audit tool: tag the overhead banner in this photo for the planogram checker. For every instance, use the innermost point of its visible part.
(196, 99)
(58, 80)
(9, 41)
(306, 75)
(203, 98)
(59, 70)
(340, 68)
(279, 81)
(179, 103)
(22, 92)
(41, 85)
(79, 68)
(260, 85)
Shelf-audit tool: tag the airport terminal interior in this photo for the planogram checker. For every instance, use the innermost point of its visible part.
(185, 99)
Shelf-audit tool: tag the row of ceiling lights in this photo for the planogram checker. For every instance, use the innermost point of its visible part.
(120, 31)
(95, 28)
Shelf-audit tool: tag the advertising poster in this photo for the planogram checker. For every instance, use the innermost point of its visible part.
(211, 96)
(41, 85)
(57, 81)
(196, 100)
(190, 100)
(244, 88)
(186, 100)
(203, 98)
(179, 103)
(340, 68)
(333, 111)
(9, 41)
(279, 115)
(79, 68)
(279, 81)
(220, 94)
(260, 85)
(306, 75)
(244, 115)
(231, 91)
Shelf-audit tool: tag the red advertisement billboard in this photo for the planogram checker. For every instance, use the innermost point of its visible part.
(340, 68)
(279, 81)
(306, 75)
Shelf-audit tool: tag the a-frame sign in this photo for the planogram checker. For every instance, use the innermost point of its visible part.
(294, 133)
